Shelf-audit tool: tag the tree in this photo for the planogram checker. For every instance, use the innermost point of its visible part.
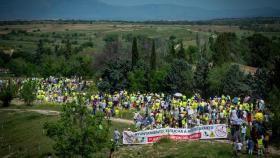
(223, 48)
(172, 49)
(153, 57)
(259, 83)
(68, 49)
(275, 72)
(137, 80)
(5, 58)
(233, 83)
(179, 78)
(192, 54)
(50, 66)
(215, 78)
(198, 42)
(7, 93)
(200, 83)
(79, 65)
(260, 50)
(39, 52)
(181, 52)
(114, 75)
(157, 80)
(28, 91)
(77, 133)
(134, 51)
(274, 103)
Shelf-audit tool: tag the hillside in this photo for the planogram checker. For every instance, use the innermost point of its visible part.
(97, 10)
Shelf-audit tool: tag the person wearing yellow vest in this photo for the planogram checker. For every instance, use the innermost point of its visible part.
(117, 112)
(266, 141)
(159, 117)
(260, 145)
(184, 122)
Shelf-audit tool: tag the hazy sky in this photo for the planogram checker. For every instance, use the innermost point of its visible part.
(207, 4)
(114, 9)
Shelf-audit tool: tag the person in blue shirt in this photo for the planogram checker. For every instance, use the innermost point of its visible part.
(250, 144)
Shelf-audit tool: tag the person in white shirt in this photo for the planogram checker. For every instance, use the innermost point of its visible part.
(237, 146)
(243, 132)
(117, 136)
(233, 115)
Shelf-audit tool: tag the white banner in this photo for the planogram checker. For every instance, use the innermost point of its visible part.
(216, 131)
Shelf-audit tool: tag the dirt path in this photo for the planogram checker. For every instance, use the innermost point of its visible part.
(54, 113)
(9, 155)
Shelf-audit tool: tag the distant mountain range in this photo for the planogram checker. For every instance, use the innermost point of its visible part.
(96, 10)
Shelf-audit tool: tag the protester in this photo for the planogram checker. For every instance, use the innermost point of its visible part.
(153, 110)
(260, 145)
(250, 144)
(117, 136)
(243, 132)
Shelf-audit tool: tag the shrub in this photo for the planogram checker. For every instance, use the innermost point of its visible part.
(7, 93)
(28, 92)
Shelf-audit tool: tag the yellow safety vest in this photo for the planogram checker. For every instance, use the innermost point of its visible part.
(260, 143)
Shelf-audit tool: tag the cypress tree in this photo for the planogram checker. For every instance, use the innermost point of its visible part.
(153, 57)
(135, 55)
(181, 52)
(68, 49)
(172, 49)
(39, 51)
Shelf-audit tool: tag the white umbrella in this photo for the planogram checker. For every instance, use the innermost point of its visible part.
(178, 94)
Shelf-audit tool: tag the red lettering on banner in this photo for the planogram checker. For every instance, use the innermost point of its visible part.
(194, 136)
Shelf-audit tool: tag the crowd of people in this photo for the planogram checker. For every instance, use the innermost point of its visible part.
(58, 90)
(52, 89)
(247, 119)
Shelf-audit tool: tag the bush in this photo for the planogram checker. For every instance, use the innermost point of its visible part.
(7, 93)
(28, 92)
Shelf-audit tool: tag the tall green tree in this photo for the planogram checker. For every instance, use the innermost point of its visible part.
(260, 85)
(192, 54)
(260, 50)
(172, 51)
(114, 75)
(223, 48)
(134, 52)
(68, 49)
(275, 72)
(233, 83)
(274, 102)
(215, 78)
(179, 78)
(200, 81)
(39, 52)
(157, 80)
(137, 80)
(50, 66)
(20, 67)
(197, 40)
(78, 133)
(181, 53)
(153, 59)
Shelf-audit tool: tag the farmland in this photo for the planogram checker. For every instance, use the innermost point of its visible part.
(25, 37)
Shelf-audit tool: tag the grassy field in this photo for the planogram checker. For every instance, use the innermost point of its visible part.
(189, 149)
(25, 37)
(12, 37)
(22, 134)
